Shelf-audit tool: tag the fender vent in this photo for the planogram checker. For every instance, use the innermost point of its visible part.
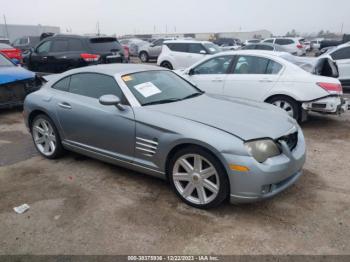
(146, 147)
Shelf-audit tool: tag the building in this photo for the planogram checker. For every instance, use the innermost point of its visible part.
(260, 34)
(13, 32)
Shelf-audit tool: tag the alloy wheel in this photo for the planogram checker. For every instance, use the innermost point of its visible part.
(44, 137)
(285, 106)
(196, 179)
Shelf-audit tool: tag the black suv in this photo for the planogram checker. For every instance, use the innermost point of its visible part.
(59, 53)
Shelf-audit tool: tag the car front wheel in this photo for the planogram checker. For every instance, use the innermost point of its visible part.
(46, 138)
(144, 57)
(198, 178)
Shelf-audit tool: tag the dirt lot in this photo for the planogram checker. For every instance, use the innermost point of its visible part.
(83, 206)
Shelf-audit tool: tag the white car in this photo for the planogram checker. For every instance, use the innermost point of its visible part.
(177, 54)
(267, 77)
(341, 54)
(251, 41)
(293, 45)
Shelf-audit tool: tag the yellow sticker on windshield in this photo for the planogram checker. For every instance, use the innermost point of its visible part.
(127, 78)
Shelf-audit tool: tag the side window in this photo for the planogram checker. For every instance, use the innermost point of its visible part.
(44, 47)
(158, 42)
(178, 47)
(75, 45)
(94, 85)
(273, 68)
(250, 47)
(216, 65)
(264, 47)
(268, 41)
(62, 84)
(251, 65)
(23, 41)
(342, 53)
(59, 45)
(282, 41)
(196, 48)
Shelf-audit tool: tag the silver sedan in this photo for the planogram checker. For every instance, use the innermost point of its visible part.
(149, 119)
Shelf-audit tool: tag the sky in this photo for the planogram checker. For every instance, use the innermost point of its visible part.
(181, 16)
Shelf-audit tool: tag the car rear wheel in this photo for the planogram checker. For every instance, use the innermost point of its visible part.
(46, 138)
(167, 64)
(288, 104)
(144, 57)
(198, 178)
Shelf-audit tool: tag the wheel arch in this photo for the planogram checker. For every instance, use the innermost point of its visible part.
(184, 144)
(282, 94)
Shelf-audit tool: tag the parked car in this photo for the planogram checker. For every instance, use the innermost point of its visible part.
(133, 44)
(26, 43)
(4, 40)
(59, 53)
(307, 46)
(316, 44)
(15, 83)
(13, 53)
(268, 77)
(227, 41)
(152, 50)
(251, 41)
(293, 45)
(149, 119)
(265, 47)
(178, 54)
(341, 54)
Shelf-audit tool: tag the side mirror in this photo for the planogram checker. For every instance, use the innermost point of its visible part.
(111, 100)
(203, 52)
(191, 72)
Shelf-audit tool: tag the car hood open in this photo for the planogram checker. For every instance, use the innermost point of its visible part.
(13, 73)
(243, 118)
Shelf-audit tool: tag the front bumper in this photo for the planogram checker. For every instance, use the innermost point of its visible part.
(328, 105)
(264, 180)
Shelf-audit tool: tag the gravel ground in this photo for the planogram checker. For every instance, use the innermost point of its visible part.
(82, 206)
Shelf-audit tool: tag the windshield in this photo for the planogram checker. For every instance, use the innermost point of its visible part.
(157, 87)
(212, 48)
(5, 62)
(104, 44)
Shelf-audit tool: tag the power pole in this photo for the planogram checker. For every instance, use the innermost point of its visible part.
(341, 28)
(7, 31)
(98, 28)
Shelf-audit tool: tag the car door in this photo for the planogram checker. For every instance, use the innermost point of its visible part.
(156, 48)
(90, 125)
(342, 57)
(39, 58)
(211, 74)
(252, 77)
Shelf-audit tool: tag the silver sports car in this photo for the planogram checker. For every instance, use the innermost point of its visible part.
(151, 120)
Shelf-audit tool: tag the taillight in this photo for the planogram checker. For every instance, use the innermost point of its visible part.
(331, 87)
(299, 46)
(90, 57)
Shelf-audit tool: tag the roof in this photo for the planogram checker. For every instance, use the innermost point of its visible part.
(113, 69)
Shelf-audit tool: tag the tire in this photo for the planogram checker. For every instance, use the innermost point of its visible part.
(46, 138)
(144, 57)
(167, 64)
(203, 189)
(288, 104)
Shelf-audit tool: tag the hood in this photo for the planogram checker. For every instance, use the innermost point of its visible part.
(14, 73)
(242, 118)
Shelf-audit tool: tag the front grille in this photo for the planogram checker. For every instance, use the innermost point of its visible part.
(291, 140)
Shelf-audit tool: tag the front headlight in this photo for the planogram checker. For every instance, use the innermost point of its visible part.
(262, 149)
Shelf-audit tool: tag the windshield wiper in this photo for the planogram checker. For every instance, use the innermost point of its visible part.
(193, 95)
(162, 101)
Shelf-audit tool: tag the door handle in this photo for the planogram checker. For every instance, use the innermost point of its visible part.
(265, 81)
(44, 57)
(65, 105)
(217, 80)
